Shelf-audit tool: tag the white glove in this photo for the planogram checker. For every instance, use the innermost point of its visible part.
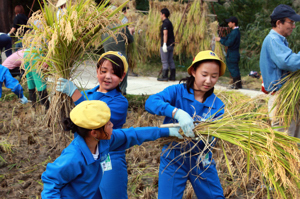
(8, 34)
(65, 86)
(164, 48)
(186, 122)
(174, 131)
(23, 100)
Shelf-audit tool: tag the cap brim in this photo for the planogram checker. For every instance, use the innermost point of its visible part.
(295, 17)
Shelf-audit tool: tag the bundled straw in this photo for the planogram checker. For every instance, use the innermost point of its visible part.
(62, 40)
(287, 103)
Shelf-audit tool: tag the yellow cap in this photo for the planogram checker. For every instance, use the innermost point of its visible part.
(118, 54)
(205, 55)
(91, 114)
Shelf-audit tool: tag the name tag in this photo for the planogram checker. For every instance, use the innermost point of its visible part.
(106, 164)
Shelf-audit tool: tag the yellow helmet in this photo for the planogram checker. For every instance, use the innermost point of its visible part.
(207, 55)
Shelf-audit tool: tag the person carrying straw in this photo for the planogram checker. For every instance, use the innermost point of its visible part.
(179, 103)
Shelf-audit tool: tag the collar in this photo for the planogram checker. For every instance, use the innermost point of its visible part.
(111, 93)
(103, 145)
(209, 102)
(279, 35)
(236, 27)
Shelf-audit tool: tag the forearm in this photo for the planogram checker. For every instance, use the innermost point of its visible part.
(12, 30)
(165, 36)
(76, 95)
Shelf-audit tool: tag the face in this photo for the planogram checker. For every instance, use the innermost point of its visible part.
(162, 16)
(286, 28)
(206, 76)
(231, 25)
(106, 77)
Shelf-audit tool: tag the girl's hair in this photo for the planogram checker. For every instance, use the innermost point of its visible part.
(191, 79)
(19, 9)
(117, 65)
(83, 132)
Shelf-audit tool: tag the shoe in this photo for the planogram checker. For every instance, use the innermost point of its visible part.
(164, 76)
(172, 75)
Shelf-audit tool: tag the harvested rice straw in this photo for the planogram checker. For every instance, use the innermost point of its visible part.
(62, 43)
(287, 103)
(214, 32)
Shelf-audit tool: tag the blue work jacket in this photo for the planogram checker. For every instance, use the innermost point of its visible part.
(177, 96)
(276, 60)
(117, 103)
(232, 40)
(9, 82)
(76, 174)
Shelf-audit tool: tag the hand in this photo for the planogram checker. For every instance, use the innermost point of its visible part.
(186, 122)
(165, 48)
(23, 100)
(217, 38)
(8, 34)
(174, 131)
(65, 86)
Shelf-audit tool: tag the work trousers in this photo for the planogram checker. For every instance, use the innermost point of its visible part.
(167, 58)
(233, 67)
(175, 170)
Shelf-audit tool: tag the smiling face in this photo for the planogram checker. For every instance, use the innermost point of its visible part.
(286, 28)
(107, 78)
(206, 75)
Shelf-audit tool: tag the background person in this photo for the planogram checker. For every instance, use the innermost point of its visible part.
(11, 83)
(167, 47)
(78, 171)
(5, 42)
(13, 63)
(20, 19)
(276, 58)
(179, 103)
(232, 40)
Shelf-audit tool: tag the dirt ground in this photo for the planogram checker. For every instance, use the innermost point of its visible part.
(27, 145)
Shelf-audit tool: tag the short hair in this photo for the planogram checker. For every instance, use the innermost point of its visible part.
(19, 9)
(166, 12)
(273, 21)
(124, 9)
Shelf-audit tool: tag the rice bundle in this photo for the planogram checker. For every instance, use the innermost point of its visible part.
(62, 41)
(287, 103)
(218, 46)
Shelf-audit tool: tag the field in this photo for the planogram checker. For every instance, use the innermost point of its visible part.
(26, 146)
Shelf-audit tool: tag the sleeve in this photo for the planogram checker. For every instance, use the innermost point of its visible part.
(161, 103)
(283, 56)
(122, 139)
(59, 173)
(129, 36)
(165, 26)
(229, 40)
(13, 84)
(81, 99)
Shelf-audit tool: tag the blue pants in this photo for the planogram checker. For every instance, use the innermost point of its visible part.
(174, 171)
(233, 67)
(5, 42)
(114, 182)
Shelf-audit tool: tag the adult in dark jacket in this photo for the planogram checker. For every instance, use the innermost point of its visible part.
(232, 40)
(5, 42)
(20, 19)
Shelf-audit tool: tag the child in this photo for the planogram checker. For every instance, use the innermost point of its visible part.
(111, 70)
(77, 173)
(11, 83)
(180, 102)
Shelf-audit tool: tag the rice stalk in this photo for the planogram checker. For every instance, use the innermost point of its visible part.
(63, 42)
(287, 103)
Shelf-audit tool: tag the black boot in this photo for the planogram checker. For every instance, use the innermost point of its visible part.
(164, 75)
(32, 96)
(172, 75)
(238, 83)
(43, 95)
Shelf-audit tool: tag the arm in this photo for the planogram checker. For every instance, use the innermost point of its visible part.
(165, 36)
(162, 103)
(122, 139)
(58, 174)
(229, 40)
(13, 84)
(12, 30)
(283, 56)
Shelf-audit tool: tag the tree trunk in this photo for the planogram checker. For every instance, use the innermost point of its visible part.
(6, 15)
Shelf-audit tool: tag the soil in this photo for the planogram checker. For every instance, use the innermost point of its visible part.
(26, 146)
